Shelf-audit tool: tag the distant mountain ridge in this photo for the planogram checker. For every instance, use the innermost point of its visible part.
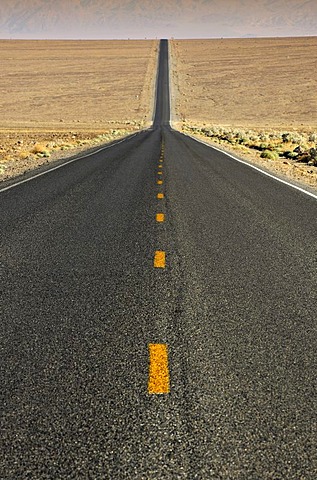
(151, 18)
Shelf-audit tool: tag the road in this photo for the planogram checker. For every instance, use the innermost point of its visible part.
(235, 306)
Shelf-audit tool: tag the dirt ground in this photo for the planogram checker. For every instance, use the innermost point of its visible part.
(267, 86)
(57, 96)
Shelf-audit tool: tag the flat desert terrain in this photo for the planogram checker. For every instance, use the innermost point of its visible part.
(58, 95)
(246, 93)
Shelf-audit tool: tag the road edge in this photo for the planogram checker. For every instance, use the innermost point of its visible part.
(59, 163)
(251, 165)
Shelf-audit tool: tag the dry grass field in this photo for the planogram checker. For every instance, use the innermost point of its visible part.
(57, 95)
(244, 94)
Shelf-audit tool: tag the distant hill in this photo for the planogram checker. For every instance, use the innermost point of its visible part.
(153, 18)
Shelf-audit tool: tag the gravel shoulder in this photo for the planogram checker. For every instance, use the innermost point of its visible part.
(303, 174)
(22, 152)
(60, 98)
(251, 98)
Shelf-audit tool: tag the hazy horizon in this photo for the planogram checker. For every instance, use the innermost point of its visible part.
(122, 19)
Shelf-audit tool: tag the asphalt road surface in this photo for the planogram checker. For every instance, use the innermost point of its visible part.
(234, 304)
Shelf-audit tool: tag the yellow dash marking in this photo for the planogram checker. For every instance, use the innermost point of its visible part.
(158, 369)
(159, 259)
(160, 173)
(160, 182)
(160, 217)
(160, 195)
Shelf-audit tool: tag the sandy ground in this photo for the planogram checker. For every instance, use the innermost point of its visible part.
(23, 151)
(266, 86)
(60, 97)
(303, 174)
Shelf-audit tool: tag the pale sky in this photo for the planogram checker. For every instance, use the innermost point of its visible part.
(105, 19)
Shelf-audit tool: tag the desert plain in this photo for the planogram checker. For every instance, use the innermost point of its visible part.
(60, 97)
(255, 97)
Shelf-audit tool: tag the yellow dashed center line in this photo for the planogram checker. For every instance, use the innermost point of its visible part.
(160, 217)
(159, 382)
(158, 369)
(159, 259)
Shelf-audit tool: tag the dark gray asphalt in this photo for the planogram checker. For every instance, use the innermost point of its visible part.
(81, 301)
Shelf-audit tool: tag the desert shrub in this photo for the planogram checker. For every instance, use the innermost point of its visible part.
(313, 156)
(38, 148)
(297, 138)
(291, 155)
(238, 133)
(286, 137)
(304, 158)
(313, 153)
(269, 154)
(299, 149)
(285, 153)
(230, 138)
(264, 146)
(305, 147)
(274, 136)
(264, 137)
(209, 133)
(313, 137)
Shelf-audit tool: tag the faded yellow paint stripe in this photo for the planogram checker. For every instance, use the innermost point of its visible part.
(160, 195)
(160, 217)
(159, 259)
(160, 173)
(159, 182)
(158, 369)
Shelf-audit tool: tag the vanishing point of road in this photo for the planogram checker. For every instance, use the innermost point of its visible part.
(158, 316)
